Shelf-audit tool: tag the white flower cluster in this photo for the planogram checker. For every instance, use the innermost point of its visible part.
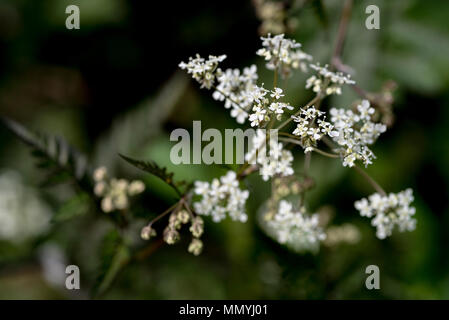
(234, 88)
(203, 71)
(356, 132)
(220, 197)
(115, 192)
(275, 161)
(23, 214)
(311, 128)
(334, 80)
(283, 54)
(265, 108)
(388, 212)
(296, 228)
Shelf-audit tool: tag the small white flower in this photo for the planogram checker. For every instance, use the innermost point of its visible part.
(257, 116)
(239, 114)
(115, 192)
(276, 93)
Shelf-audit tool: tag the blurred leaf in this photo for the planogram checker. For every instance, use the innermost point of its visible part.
(115, 255)
(76, 206)
(320, 12)
(130, 131)
(51, 151)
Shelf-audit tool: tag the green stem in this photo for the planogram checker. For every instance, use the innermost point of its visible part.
(326, 154)
(375, 185)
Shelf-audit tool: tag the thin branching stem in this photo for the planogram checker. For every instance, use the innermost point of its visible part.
(326, 154)
(373, 182)
(311, 102)
(164, 213)
(230, 99)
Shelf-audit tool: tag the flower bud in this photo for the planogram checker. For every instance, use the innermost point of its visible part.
(197, 227)
(183, 216)
(136, 187)
(171, 236)
(100, 174)
(147, 232)
(195, 247)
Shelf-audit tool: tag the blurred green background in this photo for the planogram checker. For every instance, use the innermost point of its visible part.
(113, 86)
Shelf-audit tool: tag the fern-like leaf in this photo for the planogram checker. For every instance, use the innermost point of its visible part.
(51, 151)
(153, 168)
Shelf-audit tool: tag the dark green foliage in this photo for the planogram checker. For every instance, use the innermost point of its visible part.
(52, 153)
(114, 255)
(154, 169)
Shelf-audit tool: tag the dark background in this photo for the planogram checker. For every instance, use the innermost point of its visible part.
(89, 85)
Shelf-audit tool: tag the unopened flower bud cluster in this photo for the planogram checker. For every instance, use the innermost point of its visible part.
(345, 233)
(283, 54)
(171, 233)
(272, 15)
(114, 192)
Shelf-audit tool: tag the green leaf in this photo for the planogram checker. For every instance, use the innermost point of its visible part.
(153, 168)
(76, 206)
(51, 151)
(114, 256)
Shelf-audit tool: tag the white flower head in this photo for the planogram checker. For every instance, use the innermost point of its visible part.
(295, 228)
(332, 80)
(311, 127)
(222, 196)
(235, 88)
(283, 54)
(202, 70)
(355, 132)
(388, 211)
(275, 161)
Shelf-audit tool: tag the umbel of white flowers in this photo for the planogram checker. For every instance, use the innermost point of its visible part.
(277, 161)
(351, 131)
(222, 196)
(389, 211)
(296, 228)
(356, 131)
